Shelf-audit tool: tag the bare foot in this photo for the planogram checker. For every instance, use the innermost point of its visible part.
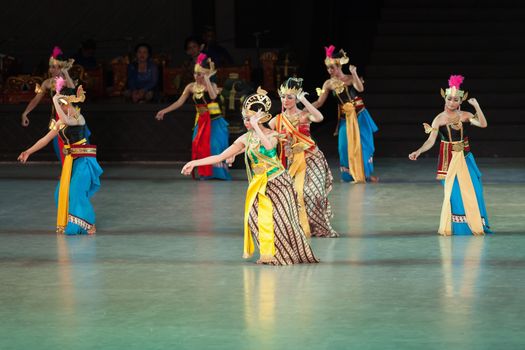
(374, 179)
(92, 230)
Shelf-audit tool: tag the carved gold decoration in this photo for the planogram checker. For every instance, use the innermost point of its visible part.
(428, 128)
(198, 90)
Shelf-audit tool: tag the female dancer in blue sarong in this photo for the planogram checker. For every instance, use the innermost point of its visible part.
(80, 171)
(355, 126)
(463, 211)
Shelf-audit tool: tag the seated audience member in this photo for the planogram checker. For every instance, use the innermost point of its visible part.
(143, 75)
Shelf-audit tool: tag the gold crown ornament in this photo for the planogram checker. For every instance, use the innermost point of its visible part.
(286, 89)
(453, 90)
(199, 67)
(259, 98)
(54, 60)
(330, 60)
(78, 98)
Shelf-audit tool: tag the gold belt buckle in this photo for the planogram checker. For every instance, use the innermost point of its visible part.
(458, 147)
(348, 107)
(66, 151)
(260, 169)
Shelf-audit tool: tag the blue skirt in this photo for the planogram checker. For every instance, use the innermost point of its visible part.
(367, 128)
(459, 224)
(218, 143)
(84, 184)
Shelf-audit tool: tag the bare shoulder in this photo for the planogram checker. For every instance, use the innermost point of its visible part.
(304, 116)
(189, 87)
(466, 116)
(348, 79)
(47, 84)
(440, 119)
(242, 139)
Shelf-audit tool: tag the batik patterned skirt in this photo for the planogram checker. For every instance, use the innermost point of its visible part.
(317, 185)
(291, 244)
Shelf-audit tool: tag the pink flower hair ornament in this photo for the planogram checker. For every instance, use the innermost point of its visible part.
(454, 83)
(199, 68)
(54, 60)
(330, 60)
(329, 50)
(56, 52)
(59, 84)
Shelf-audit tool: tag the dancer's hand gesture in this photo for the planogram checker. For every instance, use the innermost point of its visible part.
(188, 168)
(254, 119)
(23, 157)
(25, 120)
(160, 115)
(473, 102)
(302, 96)
(414, 155)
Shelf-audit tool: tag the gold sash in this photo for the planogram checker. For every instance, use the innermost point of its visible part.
(355, 155)
(297, 169)
(257, 189)
(458, 167)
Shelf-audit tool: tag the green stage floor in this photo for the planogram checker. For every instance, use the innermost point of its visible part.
(165, 269)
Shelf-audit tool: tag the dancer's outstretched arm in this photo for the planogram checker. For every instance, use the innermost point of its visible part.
(38, 145)
(175, 105)
(429, 142)
(229, 152)
(40, 93)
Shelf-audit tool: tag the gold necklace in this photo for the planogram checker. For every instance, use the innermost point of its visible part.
(337, 85)
(198, 90)
(456, 122)
(293, 118)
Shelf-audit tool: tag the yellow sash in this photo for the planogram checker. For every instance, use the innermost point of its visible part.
(355, 156)
(282, 121)
(298, 173)
(63, 192)
(297, 169)
(458, 167)
(257, 189)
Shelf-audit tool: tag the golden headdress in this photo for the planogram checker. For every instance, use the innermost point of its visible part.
(453, 90)
(69, 95)
(57, 59)
(203, 60)
(340, 58)
(79, 97)
(292, 86)
(258, 101)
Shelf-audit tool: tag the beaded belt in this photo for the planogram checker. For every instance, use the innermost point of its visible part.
(80, 151)
(459, 146)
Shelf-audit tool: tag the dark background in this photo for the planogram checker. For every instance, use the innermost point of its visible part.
(404, 49)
